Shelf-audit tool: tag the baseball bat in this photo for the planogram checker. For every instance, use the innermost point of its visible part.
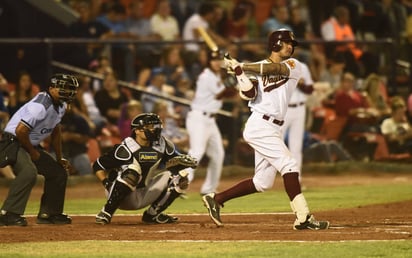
(208, 40)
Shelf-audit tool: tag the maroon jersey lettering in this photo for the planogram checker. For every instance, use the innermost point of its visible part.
(272, 82)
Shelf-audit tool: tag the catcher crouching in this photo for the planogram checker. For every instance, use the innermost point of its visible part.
(144, 170)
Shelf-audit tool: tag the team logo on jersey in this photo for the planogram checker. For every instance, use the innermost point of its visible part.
(272, 82)
(148, 156)
(291, 63)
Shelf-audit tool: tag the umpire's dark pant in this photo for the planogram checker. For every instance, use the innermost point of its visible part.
(55, 179)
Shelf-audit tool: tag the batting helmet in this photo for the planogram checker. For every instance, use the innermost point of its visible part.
(67, 85)
(150, 123)
(277, 37)
(214, 55)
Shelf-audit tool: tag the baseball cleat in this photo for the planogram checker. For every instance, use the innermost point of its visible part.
(103, 218)
(311, 223)
(160, 218)
(213, 208)
(12, 219)
(60, 219)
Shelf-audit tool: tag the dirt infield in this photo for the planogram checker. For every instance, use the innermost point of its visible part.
(377, 222)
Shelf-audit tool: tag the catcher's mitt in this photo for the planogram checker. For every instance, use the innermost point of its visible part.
(181, 162)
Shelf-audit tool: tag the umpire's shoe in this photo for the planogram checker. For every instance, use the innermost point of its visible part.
(213, 208)
(160, 218)
(311, 223)
(12, 219)
(103, 218)
(59, 219)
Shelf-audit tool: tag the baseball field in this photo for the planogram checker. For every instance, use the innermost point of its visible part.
(369, 207)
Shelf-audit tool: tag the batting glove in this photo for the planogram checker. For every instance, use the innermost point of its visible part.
(230, 63)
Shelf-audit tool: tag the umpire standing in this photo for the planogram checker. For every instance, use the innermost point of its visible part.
(29, 126)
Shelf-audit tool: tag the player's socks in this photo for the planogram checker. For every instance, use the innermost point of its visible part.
(245, 187)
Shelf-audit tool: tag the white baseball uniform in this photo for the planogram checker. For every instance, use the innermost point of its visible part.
(294, 126)
(193, 22)
(204, 134)
(263, 129)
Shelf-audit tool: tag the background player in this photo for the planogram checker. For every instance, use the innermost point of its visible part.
(137, 176)
(30, 125)
(204, 134)
(295, 117)
(277, 77)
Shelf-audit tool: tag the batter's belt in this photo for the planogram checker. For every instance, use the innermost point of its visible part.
(296, 104)
(275, 121)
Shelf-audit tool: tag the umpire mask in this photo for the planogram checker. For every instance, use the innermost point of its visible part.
(67, 86)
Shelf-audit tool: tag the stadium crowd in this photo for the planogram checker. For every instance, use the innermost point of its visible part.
(353, 105)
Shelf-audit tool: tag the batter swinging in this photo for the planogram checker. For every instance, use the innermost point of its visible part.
(269, 94)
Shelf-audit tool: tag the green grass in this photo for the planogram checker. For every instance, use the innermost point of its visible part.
(152, 249)
(271, 201)
(326, 198)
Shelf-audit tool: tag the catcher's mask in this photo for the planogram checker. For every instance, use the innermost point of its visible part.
(67, 85)
(150, 123)
(277, 37)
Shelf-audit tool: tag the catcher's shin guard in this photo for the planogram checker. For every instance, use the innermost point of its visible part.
(165, 199)
(118, 193)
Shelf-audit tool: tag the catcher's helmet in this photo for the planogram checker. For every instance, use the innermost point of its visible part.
(150, 123)
(67, 85)
(277, 37)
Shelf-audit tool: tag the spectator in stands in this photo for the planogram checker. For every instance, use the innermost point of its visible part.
(21, 92)
(333, 71)
(172, 65)
(395, 17)
(253, 27)
(352, 104)
(396, 129)
(109, 99)
(87, 27)
(75, 136)
(372, 20)
(139, 26)
(158, 86)
(102, 66)
(337, 28)
(207, 14)
(163, 23)
(236, 29)
(87, 106)
(171, 129)
(279, 17)
(376, 94)
(115, 19)
(360, 131)
(311, 54)
(129, 111)
(182, 10)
